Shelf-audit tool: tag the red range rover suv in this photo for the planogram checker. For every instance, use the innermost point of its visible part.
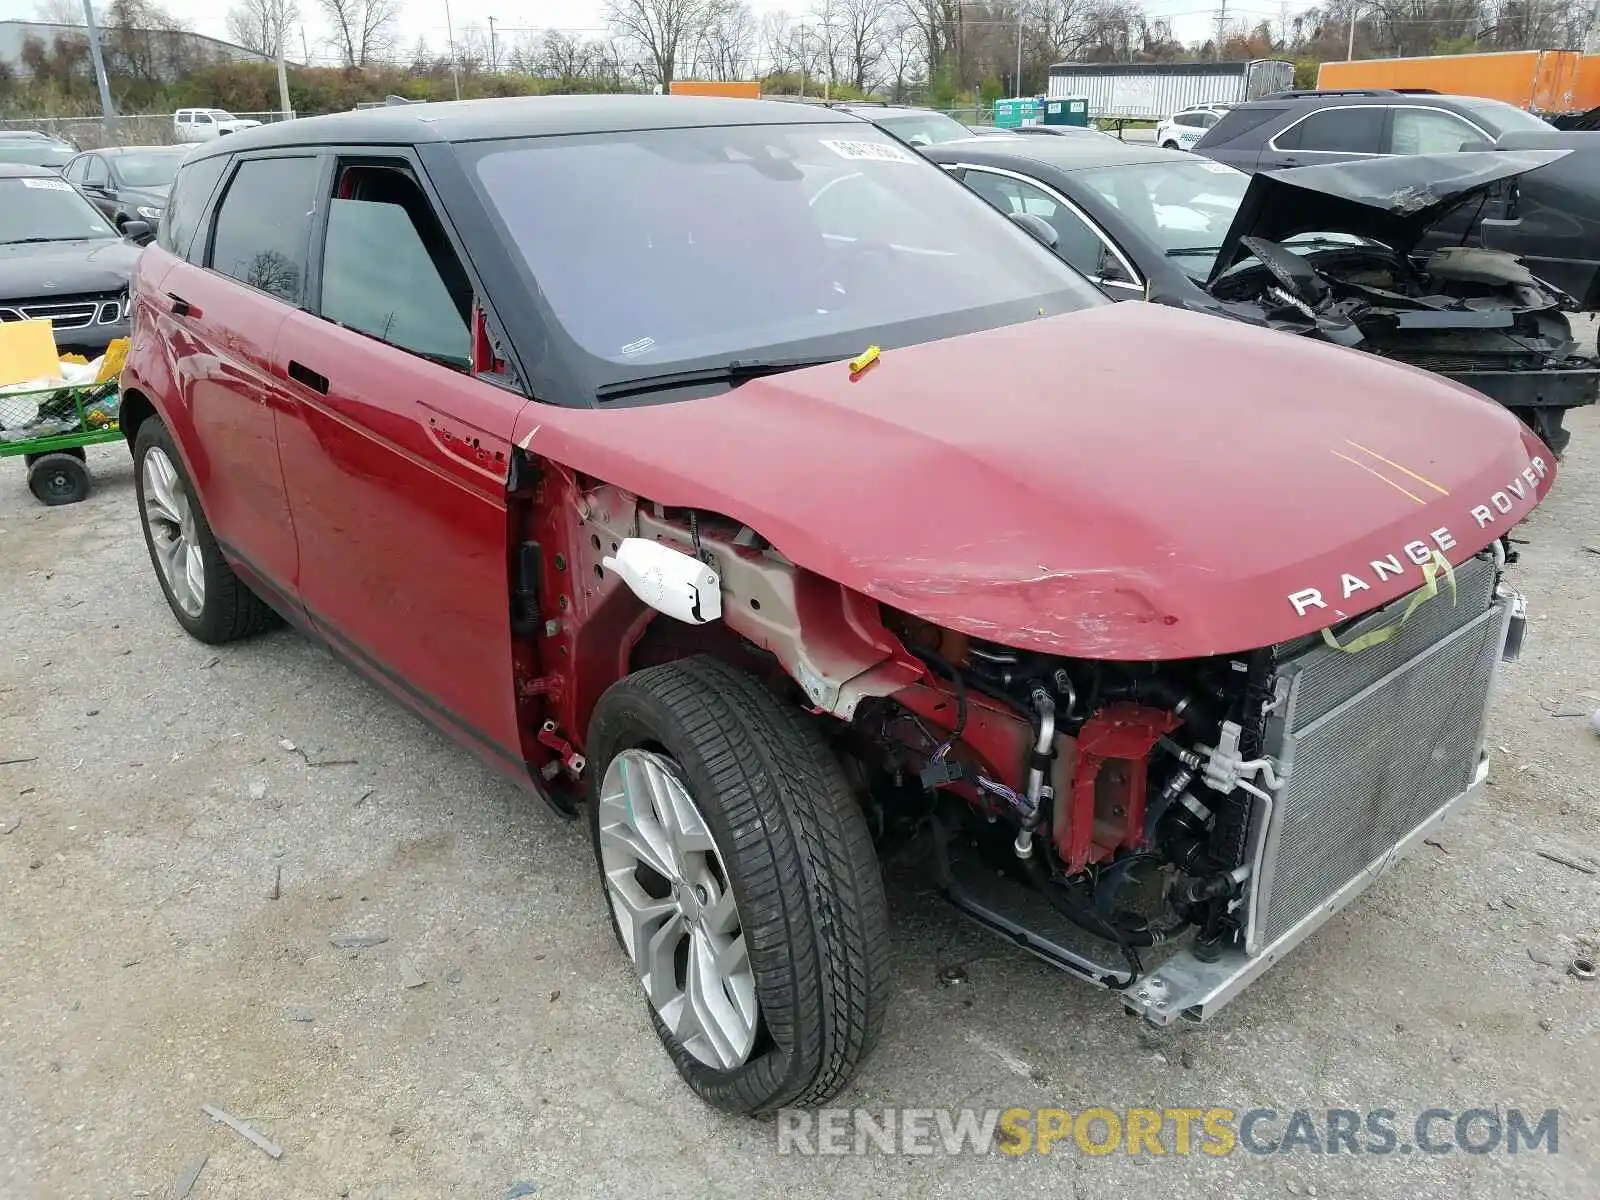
(725, 471)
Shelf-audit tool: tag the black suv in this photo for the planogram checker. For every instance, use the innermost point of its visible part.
(1550, 218)
(1301, 129)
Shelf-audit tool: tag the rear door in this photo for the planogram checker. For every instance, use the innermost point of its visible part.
(1325, 135)
(223, 318)
(97, 185)
(397, 458)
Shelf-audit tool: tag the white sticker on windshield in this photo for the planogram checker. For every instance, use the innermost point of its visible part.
(869, 151)
(49, 185)
(1217, 168)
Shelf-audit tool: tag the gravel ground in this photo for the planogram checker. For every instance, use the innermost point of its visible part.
(495, 1042)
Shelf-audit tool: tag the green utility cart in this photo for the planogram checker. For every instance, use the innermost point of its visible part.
(50, 427)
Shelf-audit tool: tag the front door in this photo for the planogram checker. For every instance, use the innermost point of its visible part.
(396, 462)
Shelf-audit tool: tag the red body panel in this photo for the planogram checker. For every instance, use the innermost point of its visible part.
(225, 400)
(1128, 482)
(397, 480)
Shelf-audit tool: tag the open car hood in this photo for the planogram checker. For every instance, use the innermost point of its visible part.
(1393, 200)
(1056, 486)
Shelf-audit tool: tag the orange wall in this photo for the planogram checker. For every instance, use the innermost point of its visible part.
(696, 87)
(1541, 80)
(1588, 83)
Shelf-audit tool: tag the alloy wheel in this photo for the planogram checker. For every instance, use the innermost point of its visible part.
(170, 518)
(675, 910)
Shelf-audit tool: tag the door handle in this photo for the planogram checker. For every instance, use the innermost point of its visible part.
(179, 307)
(304, 375)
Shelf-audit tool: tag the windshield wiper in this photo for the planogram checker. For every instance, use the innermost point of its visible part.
(733, 372)
(1184, 251)
(27, 240)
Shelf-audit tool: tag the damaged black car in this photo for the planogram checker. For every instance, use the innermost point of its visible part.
(1329, 251)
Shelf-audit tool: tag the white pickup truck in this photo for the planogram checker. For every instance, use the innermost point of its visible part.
(206, 124)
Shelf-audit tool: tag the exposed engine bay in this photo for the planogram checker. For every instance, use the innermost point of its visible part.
(1475, 315)
(1162, 829)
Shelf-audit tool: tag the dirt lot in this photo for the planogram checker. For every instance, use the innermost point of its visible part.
(495, 1042)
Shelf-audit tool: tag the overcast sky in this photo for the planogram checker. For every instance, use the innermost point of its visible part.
(1192, 20)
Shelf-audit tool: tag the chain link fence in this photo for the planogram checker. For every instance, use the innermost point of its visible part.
(95, 133)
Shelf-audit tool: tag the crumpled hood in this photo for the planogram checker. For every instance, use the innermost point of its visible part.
(1393, 200)
(42, 270)
(1131, 482)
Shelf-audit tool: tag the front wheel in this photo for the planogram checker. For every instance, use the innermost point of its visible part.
(742, 884)
(1169, 145)
(1549, 423)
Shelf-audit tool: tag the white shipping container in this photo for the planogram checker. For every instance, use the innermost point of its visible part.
(1154, 91)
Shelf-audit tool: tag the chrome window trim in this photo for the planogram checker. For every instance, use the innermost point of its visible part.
(1272, 142)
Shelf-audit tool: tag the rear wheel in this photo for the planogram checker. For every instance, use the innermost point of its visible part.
(207, 598)
(742, 884)
(1169, 145)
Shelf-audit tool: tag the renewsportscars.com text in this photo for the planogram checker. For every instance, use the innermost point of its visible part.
(1216, 1132)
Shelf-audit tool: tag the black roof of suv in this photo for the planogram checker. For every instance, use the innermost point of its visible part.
(1289, 129)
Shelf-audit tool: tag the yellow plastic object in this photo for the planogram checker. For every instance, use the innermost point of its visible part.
(27, 352)
(1431, 570)
(862, 361)
(76, 360)
(111, 365)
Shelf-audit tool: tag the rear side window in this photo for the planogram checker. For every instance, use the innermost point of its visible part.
(1337, 131)
(262, 225)
(190, 191)
(1239, 121)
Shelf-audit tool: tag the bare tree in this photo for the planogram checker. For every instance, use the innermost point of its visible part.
(858, 39)
(363, 30)
(726, 48)
(263, 25)
(661, 30)
(562, 56)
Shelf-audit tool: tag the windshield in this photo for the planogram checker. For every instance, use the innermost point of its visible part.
(923, 129)
(1503, 117)
(34, 153)
(150, 168)
(47, 210)
(221, 114)
(673, 249)
(1184, 205)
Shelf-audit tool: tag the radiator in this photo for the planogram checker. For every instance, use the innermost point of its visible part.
(1371, 745)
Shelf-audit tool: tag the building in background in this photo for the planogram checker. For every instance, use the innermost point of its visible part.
(28, 48)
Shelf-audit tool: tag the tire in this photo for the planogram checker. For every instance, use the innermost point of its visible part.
(795, 855)
(1170, 146)
(59, 479)
(225, 609)
(76, 452)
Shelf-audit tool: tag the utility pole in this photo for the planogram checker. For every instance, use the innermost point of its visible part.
(802, 59)
(1350, 45)
(1222, 26)
(283, 80)
(107, 109)
(494, 60)
(450, 36)
(305, 47)
(1017, 81)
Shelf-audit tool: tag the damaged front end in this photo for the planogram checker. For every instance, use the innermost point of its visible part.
(1330, 252)
(1176, 827)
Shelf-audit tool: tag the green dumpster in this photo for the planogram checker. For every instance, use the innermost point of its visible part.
(1073, 110)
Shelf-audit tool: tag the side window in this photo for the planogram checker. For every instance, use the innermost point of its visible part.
(1429, 131)
(1076, 242)
(1190, 119)
(184, 116)
(190, 192)
(75, 169)
(389, 271)
(95, 174)
(262, 225)
(1207, 120)
(1339, 131)
(202, 118)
